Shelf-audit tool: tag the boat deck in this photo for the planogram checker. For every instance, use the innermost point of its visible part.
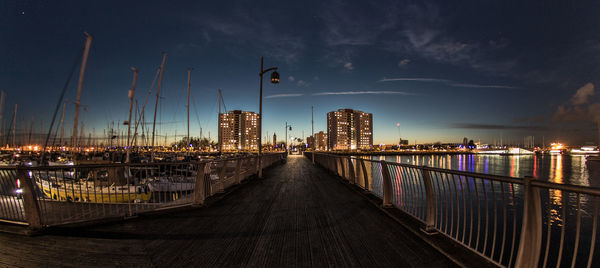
(298, 215)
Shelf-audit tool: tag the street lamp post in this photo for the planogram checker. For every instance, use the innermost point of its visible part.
(274, 80)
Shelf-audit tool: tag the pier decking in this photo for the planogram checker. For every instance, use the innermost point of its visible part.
(297, 215)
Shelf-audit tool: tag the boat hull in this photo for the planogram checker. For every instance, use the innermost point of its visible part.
(117, 194)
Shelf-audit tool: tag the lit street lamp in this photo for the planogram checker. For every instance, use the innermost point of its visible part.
(274, 80)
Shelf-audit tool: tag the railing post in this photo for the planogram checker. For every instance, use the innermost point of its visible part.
(256, 166)
(430, 199)
(260, 168)
(222, 173)
(365, 176)
(30, 204)
(238, 171)
(351, 171)
(386, 185)
(531, 230)
(343, 173)
(199, 187)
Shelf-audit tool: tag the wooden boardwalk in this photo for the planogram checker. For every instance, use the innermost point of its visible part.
(298, 216)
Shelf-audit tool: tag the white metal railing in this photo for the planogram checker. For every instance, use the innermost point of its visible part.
(54, 195)
(512, 222)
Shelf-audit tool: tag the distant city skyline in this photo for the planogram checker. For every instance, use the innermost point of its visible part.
(443, 71)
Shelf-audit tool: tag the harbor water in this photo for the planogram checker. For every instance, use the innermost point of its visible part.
(568, 218)
(570, 169)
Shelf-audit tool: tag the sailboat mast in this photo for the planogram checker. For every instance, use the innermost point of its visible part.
(136, 123)
(86, 52)
(14, 127)
(188, 109)
(62, 123)
(30, 130)
(2, 96)
(131, 94)
(219, 121)
(162, 68)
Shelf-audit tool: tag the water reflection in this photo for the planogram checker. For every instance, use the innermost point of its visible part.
(555, 168)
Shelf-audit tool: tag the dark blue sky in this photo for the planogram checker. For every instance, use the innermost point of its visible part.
(443, 70)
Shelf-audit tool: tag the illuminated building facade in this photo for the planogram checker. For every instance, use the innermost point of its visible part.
(349, 129)
(238, 131)
(321, 141)
(310, 142)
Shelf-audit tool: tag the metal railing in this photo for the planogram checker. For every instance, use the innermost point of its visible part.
(512, 222)
(54, 195)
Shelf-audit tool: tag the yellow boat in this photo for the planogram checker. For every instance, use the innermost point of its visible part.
(87, 192)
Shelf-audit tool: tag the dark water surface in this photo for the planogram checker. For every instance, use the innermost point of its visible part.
(571, 169)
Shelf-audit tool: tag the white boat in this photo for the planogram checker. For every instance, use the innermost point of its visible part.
(171, 184)
(60, 163)
(586, 150)
(86, 191)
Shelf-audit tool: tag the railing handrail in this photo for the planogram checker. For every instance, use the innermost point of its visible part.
(112, 165)
(454, 203)
(27, 192)
(591, 190)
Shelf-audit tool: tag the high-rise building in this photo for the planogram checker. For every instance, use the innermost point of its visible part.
(238, 130)
(321, 141)
(310, 142)
(349, 129)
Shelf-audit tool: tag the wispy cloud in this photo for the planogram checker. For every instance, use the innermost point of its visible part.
(362, 93)
(349, 24)
(418, 79)
(243, 28)
(302, 83)
(290, 95)
(448, 82)
(348, 66)
(495, 127)
(483, 86)
(403, 63)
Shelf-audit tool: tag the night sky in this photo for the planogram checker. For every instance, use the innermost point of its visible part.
(442, 70)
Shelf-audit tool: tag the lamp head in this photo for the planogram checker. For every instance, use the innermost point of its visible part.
(275, 77)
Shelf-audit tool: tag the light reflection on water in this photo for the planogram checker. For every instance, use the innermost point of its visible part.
(554, 168)
(559, 207)
(570, 169)
(556, 172)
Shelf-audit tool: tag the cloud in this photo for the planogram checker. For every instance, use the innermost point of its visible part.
(242, 29)
(578, 109)
(582, 95)
(419, 79)
(302, 83)
(351, 24)
(348, 66)
(291, 78)
(338, 56)
(540, 118)
(290, 95)
(495, 127)
(424, 32)
(570, 114)
(448, 82)
(483, 86)
(403, 63)
(362, 93)
(316, 78)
